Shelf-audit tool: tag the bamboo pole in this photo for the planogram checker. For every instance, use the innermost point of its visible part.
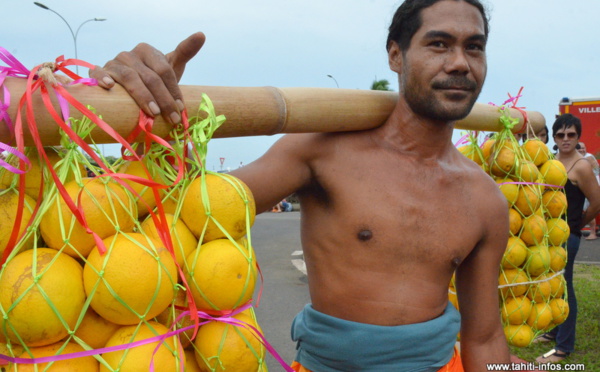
(250, 111)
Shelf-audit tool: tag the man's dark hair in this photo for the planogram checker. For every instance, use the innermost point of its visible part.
(566, 121)
(408, 20)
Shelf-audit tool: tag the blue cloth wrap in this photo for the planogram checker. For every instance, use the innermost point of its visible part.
(329, 344)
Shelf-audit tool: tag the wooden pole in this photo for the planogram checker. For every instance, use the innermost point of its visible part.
(250, 111)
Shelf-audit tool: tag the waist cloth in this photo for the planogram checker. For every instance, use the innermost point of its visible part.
(328, 344)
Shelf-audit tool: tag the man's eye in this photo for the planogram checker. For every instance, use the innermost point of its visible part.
(478, 47)
(438, 44)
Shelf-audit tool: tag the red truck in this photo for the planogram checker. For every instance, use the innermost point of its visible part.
(588, 111)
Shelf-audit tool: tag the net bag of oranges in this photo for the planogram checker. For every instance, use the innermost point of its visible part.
(531, 284)
(141, 264)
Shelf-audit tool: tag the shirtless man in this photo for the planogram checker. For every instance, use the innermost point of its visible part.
(378, 277)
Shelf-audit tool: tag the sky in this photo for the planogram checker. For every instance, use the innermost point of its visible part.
(549, 47)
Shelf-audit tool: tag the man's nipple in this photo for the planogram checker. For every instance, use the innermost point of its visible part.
(365, 235)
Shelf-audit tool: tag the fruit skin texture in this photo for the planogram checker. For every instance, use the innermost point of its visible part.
(168, 357)
(516, 310)
(32, 317)
(83, 364)
(515, 253)
(555, 203)
(536, 151)
(184, 242)
(554, 173)
(227, 206)
(95, 330)
(9, 200)
(221, 274)
(146, 199)
(219, 346)
(519, 335)
(131, 268)
(96, 200)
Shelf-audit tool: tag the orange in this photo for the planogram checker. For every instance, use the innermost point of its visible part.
(9, 200)
(540, 292)
(472, 152)
(105, 206)
(167, 357)
(557, 285)
(536, 151)
(541, 316)
(223, 347)
(146, 195)
(227, 198)
(509, 189)
(516, 310)
(538, 260)
(33, 177)
(184, 242)
(554, 173)
(86, 363)
(221, 274)
(39, 298)
(515, 253)
(94, 330)
(191, 365)
(515, 221)
(529, 200)
(487, 147)
(560, 310)
(134, 280)
(171, 313)
(518, 335)
(502, 162)
(555, 203)
(528, 172)
(533, 230)
(558, 258)
(512, 278)
(558, 231)
(453, 298)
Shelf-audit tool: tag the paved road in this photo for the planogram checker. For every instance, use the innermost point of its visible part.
(276, 240)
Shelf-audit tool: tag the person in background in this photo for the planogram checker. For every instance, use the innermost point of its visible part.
(592, 159)
(581, 185)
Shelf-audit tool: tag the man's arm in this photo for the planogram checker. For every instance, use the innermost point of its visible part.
(482, 336)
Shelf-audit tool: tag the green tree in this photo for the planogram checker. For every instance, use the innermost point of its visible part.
(380, 85)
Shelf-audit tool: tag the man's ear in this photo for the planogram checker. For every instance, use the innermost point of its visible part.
(395, 57)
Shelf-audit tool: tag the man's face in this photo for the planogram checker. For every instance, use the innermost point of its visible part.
(443, 70)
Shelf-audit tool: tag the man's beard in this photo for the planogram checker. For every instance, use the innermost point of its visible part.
(425, 103)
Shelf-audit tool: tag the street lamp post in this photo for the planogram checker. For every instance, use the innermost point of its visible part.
(73, 34)
(336, 83)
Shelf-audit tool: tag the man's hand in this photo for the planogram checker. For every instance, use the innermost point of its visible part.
(150, 77)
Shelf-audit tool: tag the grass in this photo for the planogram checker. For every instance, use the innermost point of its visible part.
(587, 345)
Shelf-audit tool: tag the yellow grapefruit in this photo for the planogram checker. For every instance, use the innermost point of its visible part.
(516, 310)
(512, 279)
(228, 198)
(529, 200)
(558, 231)
(502, 162)
(533, 230)
(509, 189)
(541, 317)
(169, 356)
(134, 280)
(146, 197)
(515, 253)
(9, 200)
(560, 310)
(515, 221)
(221, 274)
(223, 347)
(105, 205)
(557, 285)
(554, 173)
(518, 335)
(81, 364)
(538, 260)
(487, 147)
(536, 151)
(472, 152)
(94, 330)
(184, 242)
(39, 297)
(528, 172)
(555, 203)
(558, 258)
(540, 292)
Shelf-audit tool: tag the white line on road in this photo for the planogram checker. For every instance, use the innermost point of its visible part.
(297, 253)
(300, 265)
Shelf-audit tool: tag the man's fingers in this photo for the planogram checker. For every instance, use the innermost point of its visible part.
(185, 51)
(103, 78)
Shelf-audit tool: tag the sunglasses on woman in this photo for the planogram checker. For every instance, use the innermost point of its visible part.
(570, 135)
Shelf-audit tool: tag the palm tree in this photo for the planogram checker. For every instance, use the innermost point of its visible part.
(380, 85)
